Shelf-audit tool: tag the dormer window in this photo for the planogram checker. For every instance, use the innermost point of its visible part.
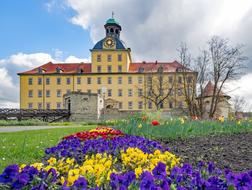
(179, 69)
(140, 69)
(40, 70)
(58, 70)
(80, 70)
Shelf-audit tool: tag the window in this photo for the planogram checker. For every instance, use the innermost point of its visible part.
(130, 105)
(39, 106)
(119, 92)
(99, 80)
(58, 70)
(47, 81)
(179, 80)
(161, 105)
(119, 68)
(140, 80)
(109, 80)
(58, 105)
(89, 91)
(78, 80)
(140, 69)
(98, 69)
(58, 93)
(39, 93)
(180, 92)
(30, 93)
(58, 81)
(129, 80)
(30, 105)
(99, 91)
(48, 106)
(171, 92)
(109, 58)
(68, 91)
(120, 105)
(98, 58)
(30, 81)
(109, 68)
(149, 104)
(39, 81)
(140, 105)
(160, 69)
(129, 92)
(48, 93)
(68, 81)
(170, 104)
(89, 80)
(180, 104)
(119, 57)
(119, 80)
(189, 79)
(170, 79)
(109, 92)
(140, 92)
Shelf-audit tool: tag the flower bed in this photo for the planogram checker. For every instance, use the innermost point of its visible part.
(113, 160)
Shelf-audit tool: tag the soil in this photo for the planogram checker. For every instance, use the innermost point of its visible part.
(230, 150)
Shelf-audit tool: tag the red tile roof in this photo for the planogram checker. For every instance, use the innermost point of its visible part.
(209, 90)
(72, 68)
(66, 68)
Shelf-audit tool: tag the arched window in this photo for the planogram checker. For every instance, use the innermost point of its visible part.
(111, 30)
(116, 31)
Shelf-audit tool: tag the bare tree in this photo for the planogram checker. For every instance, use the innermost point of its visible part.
(189, 81)
(202, 67)
(227, 63)
(157, 87)
(239, 104)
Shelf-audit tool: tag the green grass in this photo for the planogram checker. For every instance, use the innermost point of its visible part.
(28, 146)
(28, 122)
(173, 129)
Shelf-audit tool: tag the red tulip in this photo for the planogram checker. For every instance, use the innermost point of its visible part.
(155, 122)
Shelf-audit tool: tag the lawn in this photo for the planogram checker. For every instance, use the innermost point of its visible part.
(28, 146)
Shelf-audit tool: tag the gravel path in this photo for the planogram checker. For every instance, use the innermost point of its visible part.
(28, 128)
(233, 151)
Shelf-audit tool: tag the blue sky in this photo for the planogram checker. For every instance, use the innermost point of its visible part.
(28, 26)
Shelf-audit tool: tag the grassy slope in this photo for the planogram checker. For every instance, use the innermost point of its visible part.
(28, 146)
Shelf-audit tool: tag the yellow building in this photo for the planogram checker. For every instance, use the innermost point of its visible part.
(124, 84)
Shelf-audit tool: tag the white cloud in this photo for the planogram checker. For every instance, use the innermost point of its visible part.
(73, 59)
(9, 67)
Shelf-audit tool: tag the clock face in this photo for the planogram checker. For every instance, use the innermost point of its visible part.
(109, 43)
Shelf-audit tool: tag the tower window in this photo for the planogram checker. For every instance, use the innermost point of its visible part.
(109, 68)
(109, 58)
(98, 58)
(119, 68)
(116, 31)
(119, 57)
(98, 69)
(111, 30)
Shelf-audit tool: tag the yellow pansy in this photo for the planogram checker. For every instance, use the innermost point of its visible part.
(52, 161)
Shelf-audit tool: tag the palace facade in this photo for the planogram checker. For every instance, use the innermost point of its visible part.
(123, 83)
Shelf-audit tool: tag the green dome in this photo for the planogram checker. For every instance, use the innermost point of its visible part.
(112, 21)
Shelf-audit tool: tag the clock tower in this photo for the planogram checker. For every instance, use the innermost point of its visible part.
(110, 53)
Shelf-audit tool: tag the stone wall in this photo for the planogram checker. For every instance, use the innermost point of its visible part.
(83, 106)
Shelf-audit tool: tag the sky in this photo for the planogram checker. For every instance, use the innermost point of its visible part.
(35, 32)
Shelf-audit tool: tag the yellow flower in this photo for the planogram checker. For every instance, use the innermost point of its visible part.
(62, 180)
(239, 122)
(51, 161)
(140, 125)
(138, 171)
(21, 167)
(38, 166)
(182, 121)
(69, 161)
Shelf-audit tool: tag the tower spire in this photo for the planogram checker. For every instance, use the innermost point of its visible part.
(113, 14)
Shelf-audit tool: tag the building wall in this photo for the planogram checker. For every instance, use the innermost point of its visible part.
(83, 86)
